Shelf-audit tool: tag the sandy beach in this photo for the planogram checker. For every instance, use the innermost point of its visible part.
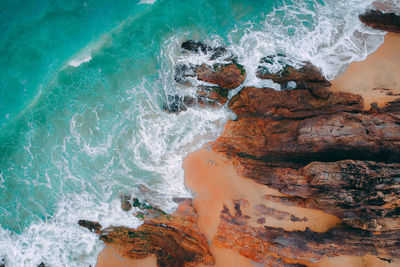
(110, 257)
(215, 183)
(377, 78)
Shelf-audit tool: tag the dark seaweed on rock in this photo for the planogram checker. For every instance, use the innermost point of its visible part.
(206, 96)
(216, 52)
(382, 21)
(225, 77)
(306, 77)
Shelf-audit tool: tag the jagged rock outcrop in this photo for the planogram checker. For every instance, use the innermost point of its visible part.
(319, 148)
(298, 126)
(268, 245)
(306, 77)
(382, 21)
(293, 104)
(225, 76)
(323, 151)
(174, 239)
(364, 194)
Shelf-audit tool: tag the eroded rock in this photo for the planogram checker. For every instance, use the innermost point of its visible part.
(225, 76)
(197, 47)
(381, 21)
(206, 96)
(297, 126)
(307, 76)
(174, 239)
(268, 245)
(293, 104)
(364, 194)
(281, 137)
(126, 204)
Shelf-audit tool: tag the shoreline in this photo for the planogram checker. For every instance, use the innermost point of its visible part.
(377, 78)
(215, 182)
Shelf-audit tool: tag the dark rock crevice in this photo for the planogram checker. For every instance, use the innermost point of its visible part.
(269, 243)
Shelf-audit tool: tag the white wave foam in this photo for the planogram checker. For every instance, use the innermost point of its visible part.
(329, 34)
(150, 2)
(387, 6)
(61, 241)
(78, 61)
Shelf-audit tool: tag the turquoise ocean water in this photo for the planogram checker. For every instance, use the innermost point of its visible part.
(82, 86)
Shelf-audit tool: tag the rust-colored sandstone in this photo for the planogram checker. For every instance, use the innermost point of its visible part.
(174, 239)
(314, 149)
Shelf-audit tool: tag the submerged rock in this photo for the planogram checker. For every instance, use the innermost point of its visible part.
(382, 21)
(225, 76)
(308, 76)
(207, 96)
(126, 202)
(197, 47)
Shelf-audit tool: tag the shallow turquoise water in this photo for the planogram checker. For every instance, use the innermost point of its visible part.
(81, 101)
(95, 93)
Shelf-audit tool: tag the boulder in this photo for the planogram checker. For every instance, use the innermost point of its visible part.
(228, 76)
(126, 202)
(382, 21)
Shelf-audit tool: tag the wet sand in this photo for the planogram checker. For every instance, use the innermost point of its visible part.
(215, 183)
(377, 78)
(110, 257)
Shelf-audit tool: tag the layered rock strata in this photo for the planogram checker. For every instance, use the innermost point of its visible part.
(322, 151)
(174, 239)
(277, 247)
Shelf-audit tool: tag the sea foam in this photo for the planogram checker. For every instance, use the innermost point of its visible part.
(328, 34)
